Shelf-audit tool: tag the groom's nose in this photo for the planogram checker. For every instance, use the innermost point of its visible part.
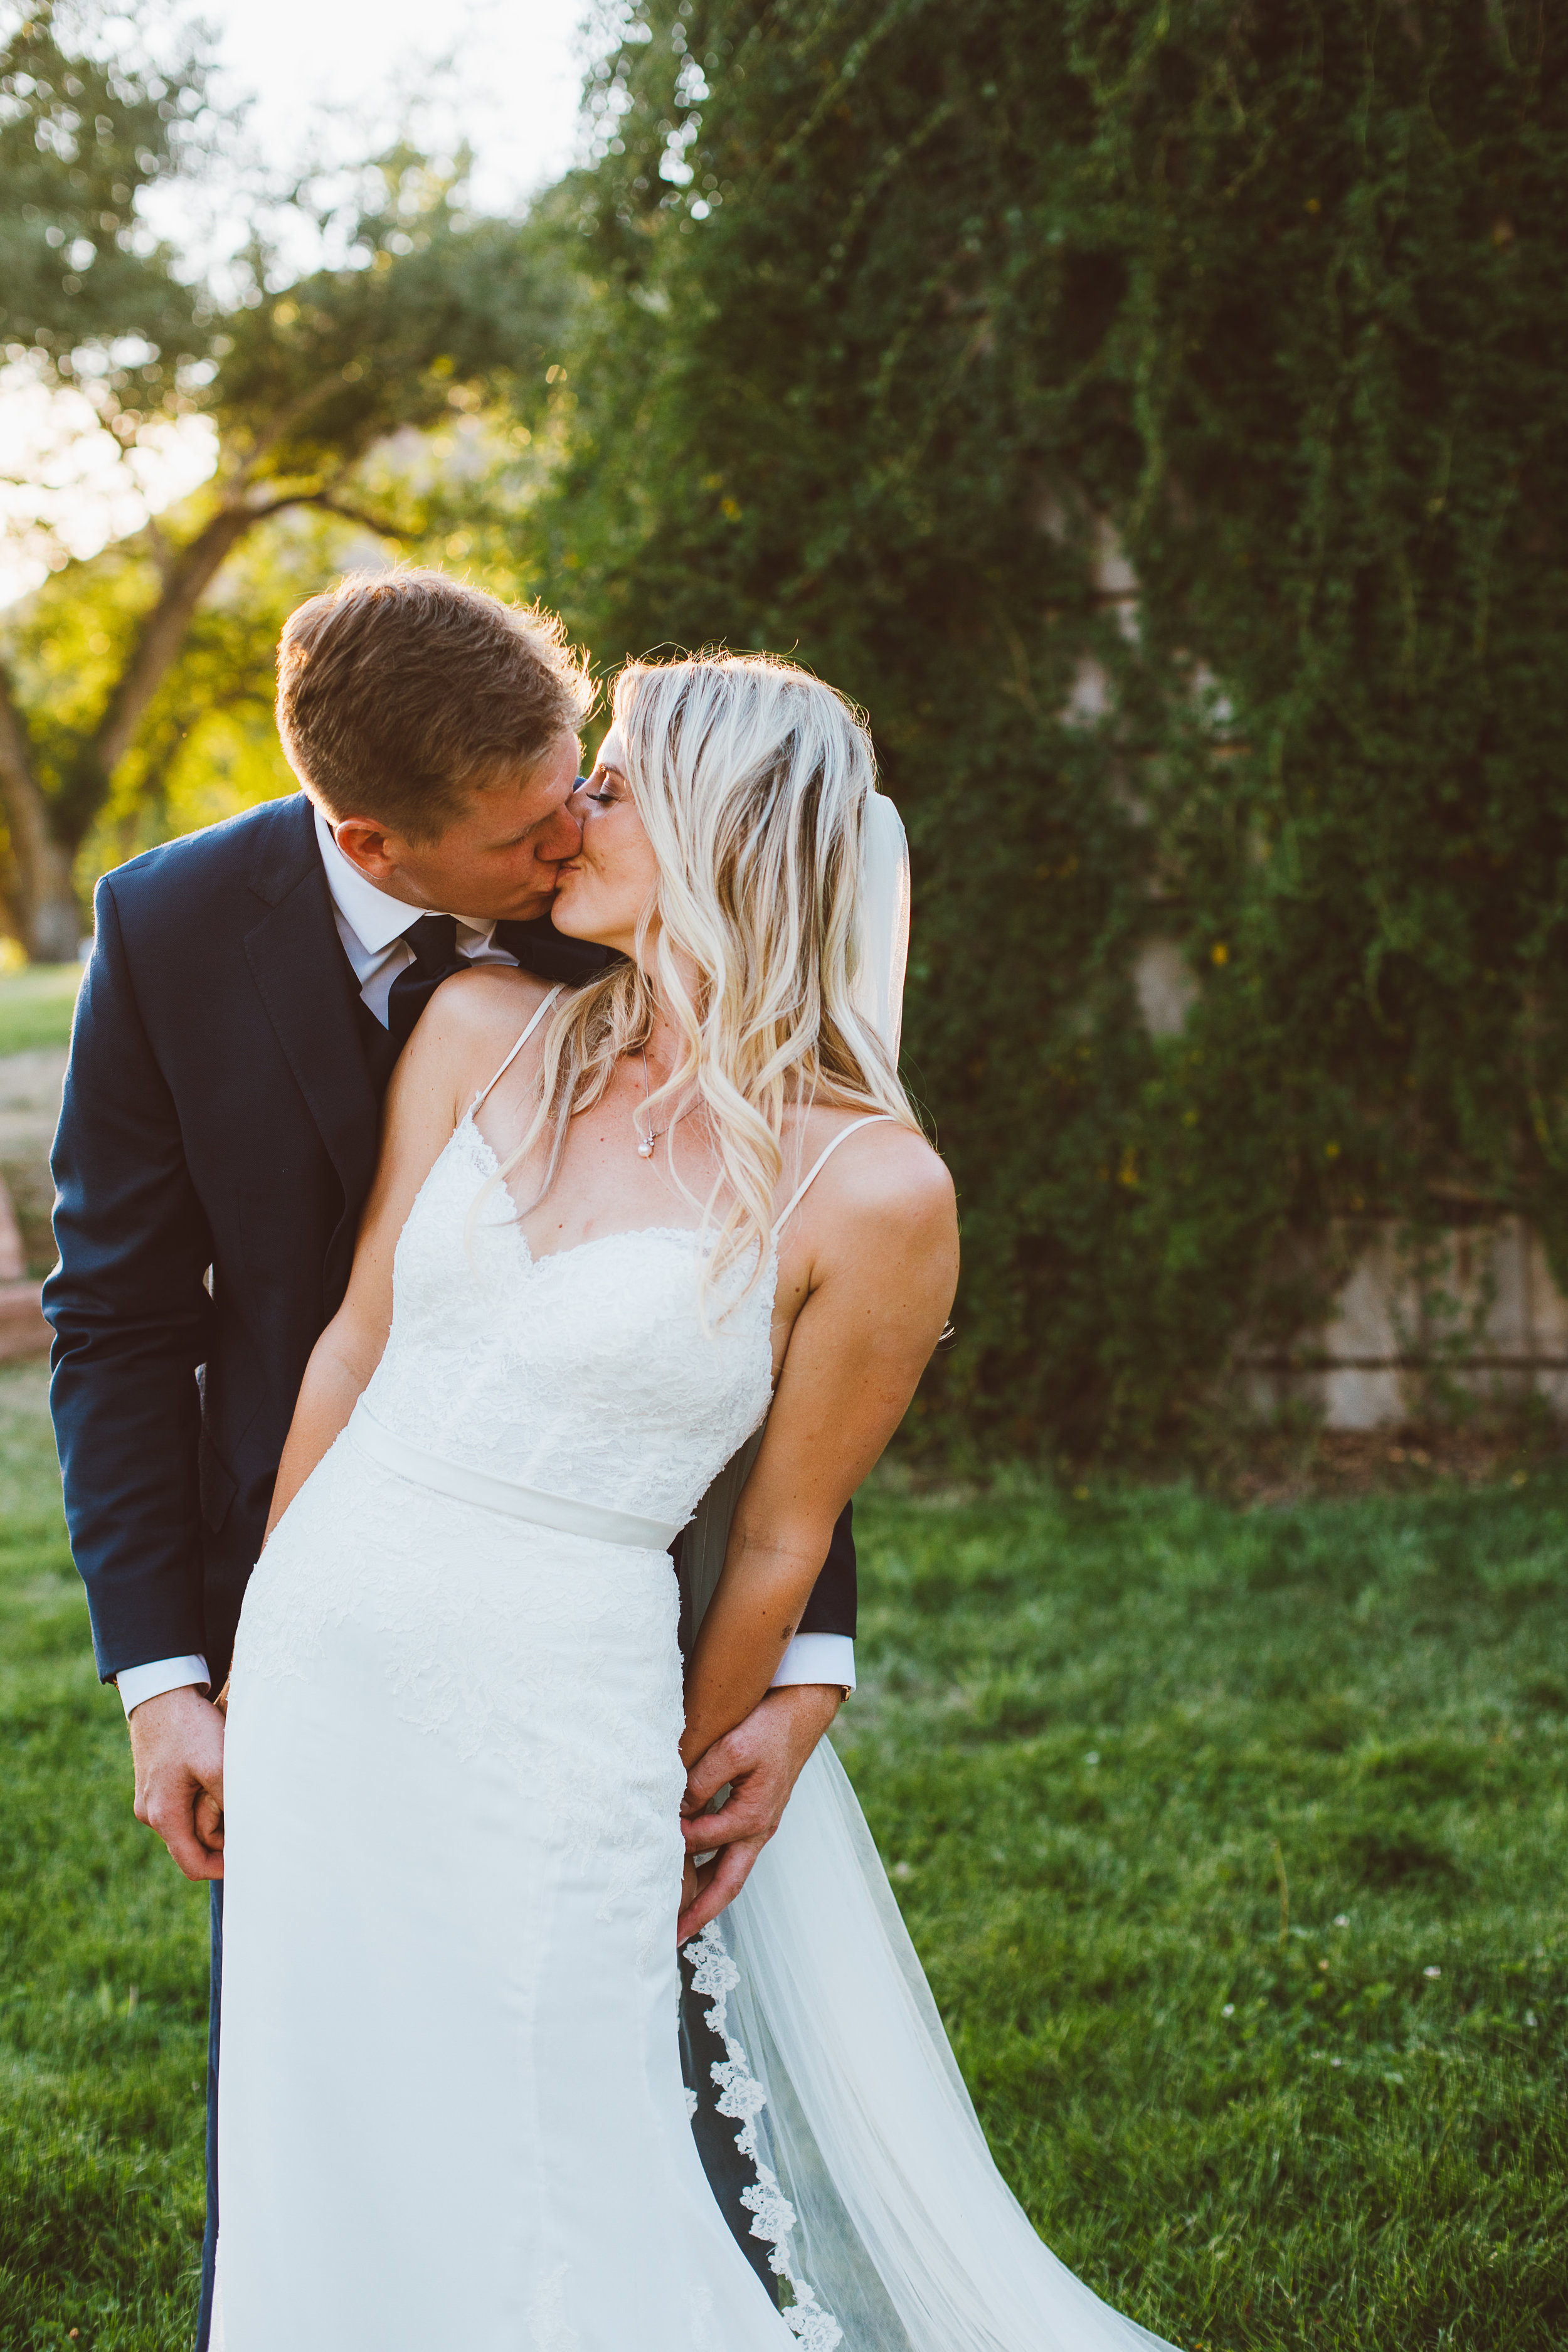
(563, 836)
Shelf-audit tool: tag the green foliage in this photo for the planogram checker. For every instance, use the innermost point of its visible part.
(1085, 1727)
(908, 325)
(206, 746)
(310, 378)
(894, 336)
(80, 140)
(118, 663)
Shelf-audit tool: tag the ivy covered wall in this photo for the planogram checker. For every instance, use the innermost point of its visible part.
(918, 335)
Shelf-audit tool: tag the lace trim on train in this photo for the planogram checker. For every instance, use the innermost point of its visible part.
(742, 2098)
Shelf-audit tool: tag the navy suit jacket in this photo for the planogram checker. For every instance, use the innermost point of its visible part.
(216, 1143)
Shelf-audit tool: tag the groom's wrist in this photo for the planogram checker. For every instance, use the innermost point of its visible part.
(818, 1658)
(138, 1684)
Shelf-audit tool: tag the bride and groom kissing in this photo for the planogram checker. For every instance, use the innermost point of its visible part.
(425, 1279)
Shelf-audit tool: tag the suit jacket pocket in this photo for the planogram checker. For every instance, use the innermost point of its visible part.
(216, 1484)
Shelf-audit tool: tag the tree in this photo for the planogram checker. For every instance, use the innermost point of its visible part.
(301, 383)
(205, 746)
(913, 329)
(80, 140)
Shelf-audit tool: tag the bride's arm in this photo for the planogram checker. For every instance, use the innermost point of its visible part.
(422, 1108)
(883, 1269)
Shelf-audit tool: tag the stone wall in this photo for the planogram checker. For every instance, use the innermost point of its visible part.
(1412, 1333)
(1409, 1334)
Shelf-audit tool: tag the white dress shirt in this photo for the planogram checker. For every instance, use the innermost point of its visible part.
(371, 925)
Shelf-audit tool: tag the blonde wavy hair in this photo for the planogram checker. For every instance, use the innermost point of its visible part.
(751, 778)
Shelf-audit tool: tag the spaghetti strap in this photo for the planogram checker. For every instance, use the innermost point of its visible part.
(872, 1118)
(538, 1013)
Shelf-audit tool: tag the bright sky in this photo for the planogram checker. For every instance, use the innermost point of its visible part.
(329, 79)
(326, 81)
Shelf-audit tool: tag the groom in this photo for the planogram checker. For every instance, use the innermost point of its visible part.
(249, 989)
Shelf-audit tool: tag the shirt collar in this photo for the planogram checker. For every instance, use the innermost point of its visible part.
(374, 918)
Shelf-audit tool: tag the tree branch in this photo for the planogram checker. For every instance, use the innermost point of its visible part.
(283, 421)
(187, 577)
(163, 630)
(382, 525)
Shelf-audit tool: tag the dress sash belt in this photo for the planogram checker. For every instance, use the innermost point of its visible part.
(558, 1511)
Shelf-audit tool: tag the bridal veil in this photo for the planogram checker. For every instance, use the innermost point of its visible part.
(888, 2219)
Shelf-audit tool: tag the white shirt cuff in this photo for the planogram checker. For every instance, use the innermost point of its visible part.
(137, 1682)
(818, 1658)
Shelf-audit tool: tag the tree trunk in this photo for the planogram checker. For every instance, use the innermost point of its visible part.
(54, 924)
(50, 919)
(162, 632)
(49, 916)
(85, 778)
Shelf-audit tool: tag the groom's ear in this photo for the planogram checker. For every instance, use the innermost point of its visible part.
(369, 846)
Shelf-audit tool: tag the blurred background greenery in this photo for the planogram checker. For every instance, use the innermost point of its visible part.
(1152, 411)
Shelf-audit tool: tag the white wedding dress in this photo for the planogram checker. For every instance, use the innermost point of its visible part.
(451, 2112)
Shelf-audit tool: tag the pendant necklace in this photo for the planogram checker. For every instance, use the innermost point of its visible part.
(646, 1143)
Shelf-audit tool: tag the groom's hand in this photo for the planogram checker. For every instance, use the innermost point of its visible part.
(761, 1759)
(176, 1744)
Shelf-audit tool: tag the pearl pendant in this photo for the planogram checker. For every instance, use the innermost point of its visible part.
(645, 1150)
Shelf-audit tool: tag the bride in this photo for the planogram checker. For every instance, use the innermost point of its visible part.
(612, 1234)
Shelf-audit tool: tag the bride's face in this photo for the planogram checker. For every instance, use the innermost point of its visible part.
(606, 888)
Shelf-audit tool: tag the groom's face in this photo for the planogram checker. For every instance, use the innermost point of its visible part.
(499, 857)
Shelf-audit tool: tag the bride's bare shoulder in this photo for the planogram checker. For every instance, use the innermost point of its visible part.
(886, 1173)
(485, 1005)
(473, 1019)
(488, 996)
(877, 1234)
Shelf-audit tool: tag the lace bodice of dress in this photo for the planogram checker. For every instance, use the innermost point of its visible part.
(587, 1373)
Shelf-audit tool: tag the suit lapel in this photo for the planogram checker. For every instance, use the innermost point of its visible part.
(304, 981)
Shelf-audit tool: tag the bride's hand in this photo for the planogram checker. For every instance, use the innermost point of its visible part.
(690, 1887)
(760, 1762)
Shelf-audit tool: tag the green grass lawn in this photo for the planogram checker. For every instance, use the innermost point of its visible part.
(35, 1006)
(1100, 1740)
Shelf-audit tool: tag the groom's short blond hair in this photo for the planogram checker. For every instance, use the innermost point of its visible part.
(399, 692)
